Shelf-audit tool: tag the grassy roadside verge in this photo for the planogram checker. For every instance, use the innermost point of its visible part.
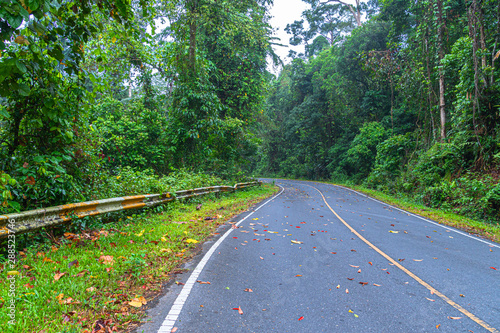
(102, 278)
(480, 228)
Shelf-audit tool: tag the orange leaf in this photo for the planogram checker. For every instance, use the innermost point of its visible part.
(239, 310)
(59, 275)
(301, 318)
(363, 283)
(107, 260)
(370, 263)
(30, 180)
(437, 326)
(298, 275)
(203, 282)
(173, 330)
(248, 290)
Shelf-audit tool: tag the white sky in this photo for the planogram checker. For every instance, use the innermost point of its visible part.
(285, 12)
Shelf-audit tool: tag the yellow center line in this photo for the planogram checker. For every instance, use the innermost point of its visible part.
(404, 269)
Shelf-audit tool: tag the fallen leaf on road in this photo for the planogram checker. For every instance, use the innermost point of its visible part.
(455, 318)
(297, 242)
(239, 310)
(255, 219)
(261, 258)
(418, 259)
(430, 299)
(173, 330)
(347, 291)
(298, 275)
(393, 232)
(376, 285)
(359, 270)
(461, 295)
(338, 286)
(493, 268)
(350, 279)
(363, 283)
(333, 252)
(203, 282)
(370, 263)
(353, 250)
(179, 283)
(302, 317)
(354, 266)
(248, 290)
(437, 326)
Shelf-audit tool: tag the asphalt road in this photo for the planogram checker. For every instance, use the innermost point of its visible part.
(320, 258)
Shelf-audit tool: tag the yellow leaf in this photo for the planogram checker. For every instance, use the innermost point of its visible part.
(296, 242)
(189, 240)
(135, 304)
(12, 273)
(393, 232)
(165, 250)
(140, 234)
(255, 219)
(163, 239)
(113, 40)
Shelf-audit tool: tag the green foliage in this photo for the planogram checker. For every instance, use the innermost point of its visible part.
(132, 135)
(360, 158)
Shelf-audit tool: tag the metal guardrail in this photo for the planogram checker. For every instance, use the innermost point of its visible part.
(46, 217)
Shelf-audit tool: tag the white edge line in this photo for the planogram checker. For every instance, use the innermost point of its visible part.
(175, 310)
(417, 216)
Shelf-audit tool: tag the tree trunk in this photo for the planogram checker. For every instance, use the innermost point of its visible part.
(193, 4)
(442, 91)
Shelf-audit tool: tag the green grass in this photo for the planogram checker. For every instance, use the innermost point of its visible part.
(111, 266)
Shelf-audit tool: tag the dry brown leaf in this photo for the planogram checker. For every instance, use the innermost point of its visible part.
(57, 276)
(354, 266)
(455, 318)
(430, 299)
(377, 285)
(106, 260)
(248, 290)
(359, 270)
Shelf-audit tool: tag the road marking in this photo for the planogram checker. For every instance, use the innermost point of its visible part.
(420, 217)
(175, 310)
(404, 269)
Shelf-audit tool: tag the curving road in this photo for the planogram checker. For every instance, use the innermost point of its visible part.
(321, 258)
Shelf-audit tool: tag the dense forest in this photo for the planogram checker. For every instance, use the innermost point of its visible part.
(405, 101)
(109, 98)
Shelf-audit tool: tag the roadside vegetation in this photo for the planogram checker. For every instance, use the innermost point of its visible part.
(102, 274)
(405, 103)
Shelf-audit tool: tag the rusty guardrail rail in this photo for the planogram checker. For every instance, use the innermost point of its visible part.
(46, 217)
